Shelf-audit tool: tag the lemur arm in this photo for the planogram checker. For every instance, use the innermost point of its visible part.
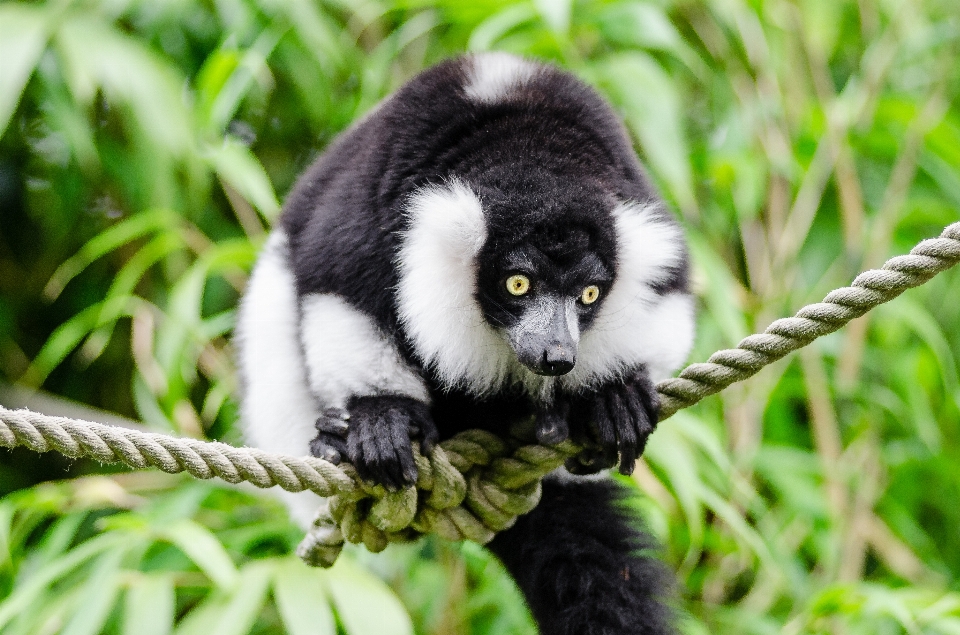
(372, 401)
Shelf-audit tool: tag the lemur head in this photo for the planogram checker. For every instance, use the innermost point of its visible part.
(540, 282)
(546, 266)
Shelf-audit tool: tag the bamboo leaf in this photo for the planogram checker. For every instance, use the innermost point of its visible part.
(68, 335)
(650, 104)
(204, 549)
(128, 73)
(486, 34)
(365, 605)
(98, 596)
(112, 238)
(556, 13)
(237, 165)
(24, 30)
(33, 585)
(302, 600)
(249, 595)
(150, 605)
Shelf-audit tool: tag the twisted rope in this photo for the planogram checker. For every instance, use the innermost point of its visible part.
(869, 290)
(474, 484)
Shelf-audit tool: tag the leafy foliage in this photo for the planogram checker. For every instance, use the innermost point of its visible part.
(143, 148)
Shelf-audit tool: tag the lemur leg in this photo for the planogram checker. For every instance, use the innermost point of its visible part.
(579, 559)
(373, 402)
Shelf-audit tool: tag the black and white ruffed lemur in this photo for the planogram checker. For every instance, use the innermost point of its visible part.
(481, 248)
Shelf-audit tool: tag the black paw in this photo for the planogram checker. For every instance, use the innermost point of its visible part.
(618, 418)
(374, 434)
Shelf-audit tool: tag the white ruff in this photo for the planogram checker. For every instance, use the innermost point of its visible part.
(635, 325)
(346, 354)
(435, 293)
(493, 76)
(277, 411)
(439, 312)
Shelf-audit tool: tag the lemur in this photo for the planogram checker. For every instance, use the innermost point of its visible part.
(482, 248)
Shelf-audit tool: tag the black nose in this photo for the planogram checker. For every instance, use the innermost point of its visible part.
(558, 360)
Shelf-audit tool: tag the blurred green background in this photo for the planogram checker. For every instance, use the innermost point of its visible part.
(146, 145)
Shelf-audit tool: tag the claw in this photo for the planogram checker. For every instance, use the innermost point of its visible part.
(330, 455)
(337, 413)
(331, 425)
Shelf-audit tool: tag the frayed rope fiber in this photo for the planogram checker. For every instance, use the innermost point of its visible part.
(474, 484)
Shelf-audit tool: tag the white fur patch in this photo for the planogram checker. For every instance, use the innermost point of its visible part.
(346, 354)
(635, 325)
(493, 76)
(435, 294)
(277, 412)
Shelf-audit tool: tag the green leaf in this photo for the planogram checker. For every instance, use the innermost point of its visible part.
(640, 24)
(6, 544)
(116, 236)
(99, 594)
(365, 605)
(317, 30)
(302, 600)
(24, 30)
(672, 454)
(246, 603)
(650, 103)
(232, 78)
(486, 34)
(231, 612)
(33, 585)
(237, 166)
(556, 13)
(69, 334)
(150, 605)
(204, 549)
(216, 70)
(204, 616)
(123, 285)
(127, 72)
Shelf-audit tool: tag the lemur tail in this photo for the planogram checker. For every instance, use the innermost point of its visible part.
(584, 564)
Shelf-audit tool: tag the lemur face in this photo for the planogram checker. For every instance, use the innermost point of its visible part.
(542, 292)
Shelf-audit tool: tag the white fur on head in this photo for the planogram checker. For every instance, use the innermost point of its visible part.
(635, 325)
(346, 354)
(435, 293)
(277, 411)
(493, 76)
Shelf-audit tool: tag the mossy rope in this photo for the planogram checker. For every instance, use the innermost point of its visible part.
(474, 484)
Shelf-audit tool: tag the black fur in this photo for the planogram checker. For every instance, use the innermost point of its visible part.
(584, 566)
(549, 165)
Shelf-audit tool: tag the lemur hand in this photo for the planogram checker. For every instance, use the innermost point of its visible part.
(617, 418)
(374, 434)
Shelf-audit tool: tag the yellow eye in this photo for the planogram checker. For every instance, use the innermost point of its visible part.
(518, 285)
(590, 294)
